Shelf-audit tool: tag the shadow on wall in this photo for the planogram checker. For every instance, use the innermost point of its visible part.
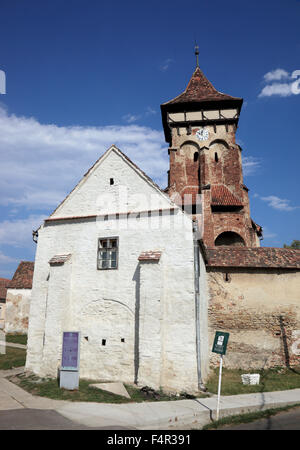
(136, 278)
(286, 345)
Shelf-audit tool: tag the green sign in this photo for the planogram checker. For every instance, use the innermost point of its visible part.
(220, 342)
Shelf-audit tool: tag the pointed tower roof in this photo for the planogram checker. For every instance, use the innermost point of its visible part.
(200, 90)
(199, 94)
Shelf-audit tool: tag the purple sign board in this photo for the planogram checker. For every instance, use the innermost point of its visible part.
(70, 350)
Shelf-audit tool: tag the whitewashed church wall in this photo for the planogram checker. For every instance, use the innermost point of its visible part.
(103, 303)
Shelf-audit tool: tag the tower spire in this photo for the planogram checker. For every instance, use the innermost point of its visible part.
(197, 54)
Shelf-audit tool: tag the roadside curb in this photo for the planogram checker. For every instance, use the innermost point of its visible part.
(165, 415)
(177, 414)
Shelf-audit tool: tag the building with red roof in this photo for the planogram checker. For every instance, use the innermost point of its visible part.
(18, 299)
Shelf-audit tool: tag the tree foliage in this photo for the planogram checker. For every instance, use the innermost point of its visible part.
(295, 245)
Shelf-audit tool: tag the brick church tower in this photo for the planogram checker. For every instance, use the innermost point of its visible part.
(200, 126)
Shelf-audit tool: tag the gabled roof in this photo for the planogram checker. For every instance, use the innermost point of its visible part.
(112, 148)
(260, 257)
(22, 278)
(221, 196)
(200, 89)
(4, 282)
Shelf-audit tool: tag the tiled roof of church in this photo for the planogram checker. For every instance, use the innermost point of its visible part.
(22, 278)
(221, 196)
(4, 282)
(261, 257)
(200, 89)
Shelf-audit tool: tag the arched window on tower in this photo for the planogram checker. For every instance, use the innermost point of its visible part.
(229, 239)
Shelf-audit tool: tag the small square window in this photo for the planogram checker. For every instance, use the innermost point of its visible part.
(108, 250)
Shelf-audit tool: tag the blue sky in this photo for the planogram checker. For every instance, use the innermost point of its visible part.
(82, 75)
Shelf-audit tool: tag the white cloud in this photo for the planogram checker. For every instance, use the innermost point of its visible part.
(278, 203)
(289, 86)
(4, 259)
(267, 234)
(18, 232)
(281, 89)
(150, 111)
(40, 164)
(130, 118)
(276, 75)
(250, 165)
(166, 64)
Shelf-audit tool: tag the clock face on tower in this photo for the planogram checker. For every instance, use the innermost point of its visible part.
(202, 134)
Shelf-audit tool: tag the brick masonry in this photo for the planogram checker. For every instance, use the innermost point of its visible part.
(259, 307)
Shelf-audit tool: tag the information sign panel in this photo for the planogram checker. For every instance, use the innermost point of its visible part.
(70, 350)
(220, 342)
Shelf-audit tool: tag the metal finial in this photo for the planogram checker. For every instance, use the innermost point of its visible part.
(197, 55)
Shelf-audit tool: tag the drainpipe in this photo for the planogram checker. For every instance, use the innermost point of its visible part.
(197, 303)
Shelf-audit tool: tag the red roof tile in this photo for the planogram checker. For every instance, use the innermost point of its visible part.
(262, 257)
(22, 278)
(221, 195)
(200, 89)
(4, 282)
(150, 256)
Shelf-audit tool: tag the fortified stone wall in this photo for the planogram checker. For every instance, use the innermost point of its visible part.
(260, 308)
(17, 310)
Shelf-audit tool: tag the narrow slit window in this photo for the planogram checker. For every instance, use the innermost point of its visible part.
(111, 181)
(108, 249)
(103, 341)
(216, 157)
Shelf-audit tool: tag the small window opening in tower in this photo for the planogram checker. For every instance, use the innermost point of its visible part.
(103, 341)
(111, 181)
(196, 156)
(216, 157)
(227, 277)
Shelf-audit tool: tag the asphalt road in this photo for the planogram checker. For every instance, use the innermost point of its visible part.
(288, 420)
(38, 419)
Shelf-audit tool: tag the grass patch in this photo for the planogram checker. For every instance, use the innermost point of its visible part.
(16, 338)
(276, 379)
(248, 417)
(14, 357)
(50, 388)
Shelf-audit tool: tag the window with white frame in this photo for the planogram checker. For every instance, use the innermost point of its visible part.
(108, 253)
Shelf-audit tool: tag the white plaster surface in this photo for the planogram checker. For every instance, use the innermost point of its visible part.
(144, 313)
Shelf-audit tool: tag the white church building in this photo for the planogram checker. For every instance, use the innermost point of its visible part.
(119, 262)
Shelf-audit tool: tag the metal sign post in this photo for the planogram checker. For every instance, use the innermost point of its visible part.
(219, 346)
